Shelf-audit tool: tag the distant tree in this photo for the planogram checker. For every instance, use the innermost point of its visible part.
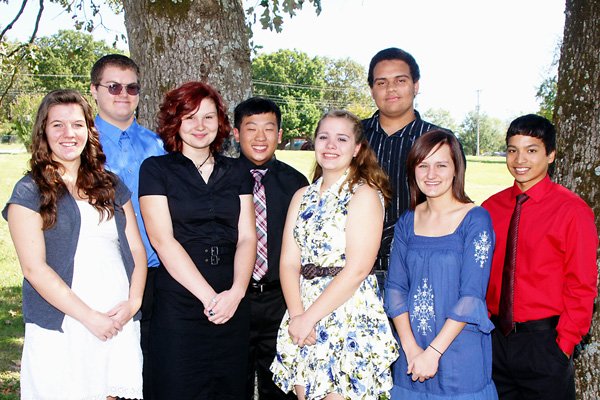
(441, 118)
(491, 134)
(546, 96)
(546, 91)
(64, 60)
(22, 116)
(296, 82)
(15, 77)
(305, 87)
(363, 110)
(14, 57)
(346, 85)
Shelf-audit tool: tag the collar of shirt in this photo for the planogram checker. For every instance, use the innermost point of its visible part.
(408, 128)
(111, 132)
(248, 165)
(537, 192)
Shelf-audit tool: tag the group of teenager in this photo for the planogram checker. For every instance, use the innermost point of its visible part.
(155, 267)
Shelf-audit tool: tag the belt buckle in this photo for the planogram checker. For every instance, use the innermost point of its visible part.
(214, 255)
(259, 286)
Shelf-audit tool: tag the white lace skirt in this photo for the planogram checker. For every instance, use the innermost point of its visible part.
(74, 364)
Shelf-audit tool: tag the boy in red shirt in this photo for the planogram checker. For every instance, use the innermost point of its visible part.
(543, 278)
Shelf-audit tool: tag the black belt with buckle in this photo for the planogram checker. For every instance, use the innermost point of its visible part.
(218, 255)
(261, 287)
(537, 325)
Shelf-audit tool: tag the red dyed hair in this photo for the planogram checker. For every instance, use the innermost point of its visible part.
(184, 101)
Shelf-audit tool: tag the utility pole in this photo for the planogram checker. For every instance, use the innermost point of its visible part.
(477, 109)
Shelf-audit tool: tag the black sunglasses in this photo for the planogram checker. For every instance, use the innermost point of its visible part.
(133, 89)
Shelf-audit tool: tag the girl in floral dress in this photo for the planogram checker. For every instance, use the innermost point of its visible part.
(438, 276)
(335, 341)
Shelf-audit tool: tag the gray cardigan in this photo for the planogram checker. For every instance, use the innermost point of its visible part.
(61, 244)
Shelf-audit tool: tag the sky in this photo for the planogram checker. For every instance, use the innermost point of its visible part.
(499, 49)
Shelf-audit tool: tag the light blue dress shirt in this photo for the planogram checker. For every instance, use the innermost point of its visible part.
(125, 151)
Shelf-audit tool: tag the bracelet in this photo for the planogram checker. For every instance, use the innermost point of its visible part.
(436, 350)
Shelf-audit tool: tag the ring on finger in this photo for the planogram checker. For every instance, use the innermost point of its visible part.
(211, 313)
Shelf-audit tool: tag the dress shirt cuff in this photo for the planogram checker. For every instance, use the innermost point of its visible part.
(567, 346)
(472, 310)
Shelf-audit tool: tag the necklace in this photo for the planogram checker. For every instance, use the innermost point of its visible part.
(199, 166)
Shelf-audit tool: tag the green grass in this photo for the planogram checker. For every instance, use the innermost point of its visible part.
(11, 320)
(485, 176)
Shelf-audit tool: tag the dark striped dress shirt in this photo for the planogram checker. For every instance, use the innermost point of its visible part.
(392, 152)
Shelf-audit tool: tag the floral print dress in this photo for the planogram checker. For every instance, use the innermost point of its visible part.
(355, 346)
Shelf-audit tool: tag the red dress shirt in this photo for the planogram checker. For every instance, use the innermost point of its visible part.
(556, 258)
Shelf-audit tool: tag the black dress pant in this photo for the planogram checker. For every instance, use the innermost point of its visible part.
(266, 312)
(531, 366)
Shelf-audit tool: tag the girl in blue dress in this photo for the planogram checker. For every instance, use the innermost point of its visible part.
(438, 275)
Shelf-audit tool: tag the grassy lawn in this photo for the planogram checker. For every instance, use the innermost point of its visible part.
(485, 176)
(11, 319)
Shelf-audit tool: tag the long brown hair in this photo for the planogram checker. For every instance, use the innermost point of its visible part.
(92, 179)
(364, 167)
(423, 146)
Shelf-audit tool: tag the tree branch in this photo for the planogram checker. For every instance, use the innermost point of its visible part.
(22, 47)
(10, 25)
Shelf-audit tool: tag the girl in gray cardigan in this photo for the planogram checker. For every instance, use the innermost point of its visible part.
(83, 261)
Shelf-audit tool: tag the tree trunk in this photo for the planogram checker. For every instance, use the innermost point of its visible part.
(179, 41)
(577, 118)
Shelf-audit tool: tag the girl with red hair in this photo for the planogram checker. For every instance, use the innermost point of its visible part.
(199, 215)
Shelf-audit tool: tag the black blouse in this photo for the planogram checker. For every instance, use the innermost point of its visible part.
(201, 213)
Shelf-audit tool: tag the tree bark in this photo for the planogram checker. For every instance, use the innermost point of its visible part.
(577, 118)
(179, 41)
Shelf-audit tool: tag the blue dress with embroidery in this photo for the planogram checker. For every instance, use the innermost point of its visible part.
(435, 278)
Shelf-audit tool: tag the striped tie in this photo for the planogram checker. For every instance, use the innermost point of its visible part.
(506, 306)
(260, 209)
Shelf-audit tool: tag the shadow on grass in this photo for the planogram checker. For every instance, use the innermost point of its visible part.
(11, 341)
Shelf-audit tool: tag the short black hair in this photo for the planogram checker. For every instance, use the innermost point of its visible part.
(394, 53)
(535, 126)
(116, 60)
(253, 106)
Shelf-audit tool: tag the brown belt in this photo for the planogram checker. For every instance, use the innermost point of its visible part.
(311, 271)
